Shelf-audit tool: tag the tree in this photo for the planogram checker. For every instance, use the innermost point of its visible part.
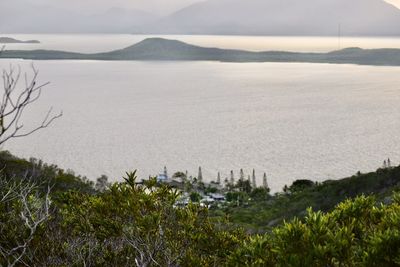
(300, 185)
(265, 182)
(260, 193)
(359, 232)
(195, 197)
(200, 175)
(180, 175)
(23, 211)
(244, 186)
(254, 183)
(24, 205)
(102, 183)
(139, 225)
(15, 101)
(241, 175)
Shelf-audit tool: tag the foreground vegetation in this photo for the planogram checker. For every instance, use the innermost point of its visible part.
(259, 211)
(49, 217)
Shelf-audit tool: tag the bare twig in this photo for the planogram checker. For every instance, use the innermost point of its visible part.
(35, 210)
(14, 102)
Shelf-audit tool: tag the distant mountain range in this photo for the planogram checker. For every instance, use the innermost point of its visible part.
(286, 17)
(157, 49)
(236, 17)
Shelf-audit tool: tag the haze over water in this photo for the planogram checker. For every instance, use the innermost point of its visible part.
(95, 43)
(293, 121)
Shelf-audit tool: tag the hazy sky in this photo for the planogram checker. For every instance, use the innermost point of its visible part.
(394, 2)
(92, 6)
(154, 6)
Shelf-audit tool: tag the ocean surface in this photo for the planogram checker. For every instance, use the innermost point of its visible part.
(290, 120)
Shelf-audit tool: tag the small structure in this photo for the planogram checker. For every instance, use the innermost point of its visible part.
(217, 197)
(176, 184)
(207, 199)
(162, 178)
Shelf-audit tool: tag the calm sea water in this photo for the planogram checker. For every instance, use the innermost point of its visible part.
(290, 120)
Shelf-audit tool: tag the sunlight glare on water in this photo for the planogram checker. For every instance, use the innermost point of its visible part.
(292, 121)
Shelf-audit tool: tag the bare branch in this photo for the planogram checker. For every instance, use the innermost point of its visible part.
(14, 102)
(35, 210)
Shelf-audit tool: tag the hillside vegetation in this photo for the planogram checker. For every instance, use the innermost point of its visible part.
(261, 212)
(50, 217)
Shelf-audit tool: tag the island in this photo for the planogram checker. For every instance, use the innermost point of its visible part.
(8, 40)
(159, 49)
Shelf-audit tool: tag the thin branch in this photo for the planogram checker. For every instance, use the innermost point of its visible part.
(14, 102)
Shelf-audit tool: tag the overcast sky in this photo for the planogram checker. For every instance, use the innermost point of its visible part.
(161, 7)
(153, 6)
(394, 2)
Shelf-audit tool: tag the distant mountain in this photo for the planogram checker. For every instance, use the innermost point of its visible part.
(235, 17)
(8, 40)
(157, 49)
(284, 17)
(24, 17)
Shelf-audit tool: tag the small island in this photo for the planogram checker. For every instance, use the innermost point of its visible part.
(8, 40)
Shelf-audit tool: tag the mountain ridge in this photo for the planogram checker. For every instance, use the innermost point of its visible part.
(285, 17)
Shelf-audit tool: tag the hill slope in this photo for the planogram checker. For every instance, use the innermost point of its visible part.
(262, 213)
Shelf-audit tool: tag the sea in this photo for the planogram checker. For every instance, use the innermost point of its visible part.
(288, 120)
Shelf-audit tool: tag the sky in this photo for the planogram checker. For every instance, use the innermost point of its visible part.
(238, 17)
(394, 2)
(161, 7)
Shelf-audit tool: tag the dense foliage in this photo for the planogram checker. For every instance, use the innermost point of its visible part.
(127, 224)
(14, 168)
(259, 212)
(357, 232)
(65, 221)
